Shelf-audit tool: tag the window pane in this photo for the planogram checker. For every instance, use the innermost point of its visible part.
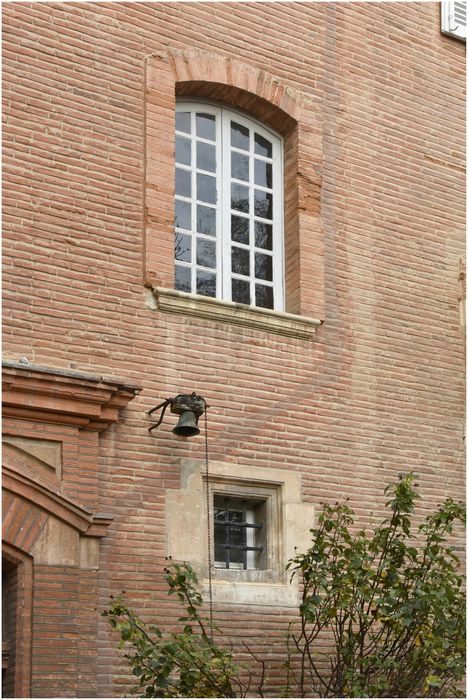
(205, 126)
(237, 536)
(239, 136)
(240, 261)
(239, 197)
(262, 174)
(183, 215)
(183, 151)
(263, 235)
(206, 220)
(206, 283)
(263, 204)
(206, 188)
(183, 279)
(220, 538)
(262, 146)
(241, 291)
(263, 296)
(183, 247)
(183, 184)
(182, 122)
(240, 229)
(263, 267)
(239, 166)
(206, 253)
(206, 157)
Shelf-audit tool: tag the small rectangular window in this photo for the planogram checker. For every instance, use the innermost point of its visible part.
(239, 533)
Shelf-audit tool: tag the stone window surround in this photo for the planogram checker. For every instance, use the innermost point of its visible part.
(295, 116)
(289, 523)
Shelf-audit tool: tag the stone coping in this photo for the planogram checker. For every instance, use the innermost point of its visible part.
(66, 397)
(282, 323)
(72, 374)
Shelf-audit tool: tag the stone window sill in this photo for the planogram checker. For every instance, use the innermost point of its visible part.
(173, 301)
(250, 593)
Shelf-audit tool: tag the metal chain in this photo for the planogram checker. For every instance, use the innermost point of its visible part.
(208, 515)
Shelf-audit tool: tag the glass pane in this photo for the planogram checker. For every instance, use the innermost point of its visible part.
(206, 220)
(205, 126)
(206, 188)
(262, 146)
(264, 296)
(182, 122)
(206, 157)
(239, 166)
(183, 247)
(220, 538)
(183, 215)
(206, 283)
(263, 235)
(241, 291)
(240, 229)
(237, 536)
(183, 150)
(183, 278)
(239, 197)
(263, 204)
(263, 267)
(206, 253)
(239, 136)
(262, 174)
(240, 261)
(183, 182)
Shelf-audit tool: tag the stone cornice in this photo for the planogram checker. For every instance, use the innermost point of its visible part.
(173, 301)
(65, 397)
(79, 518)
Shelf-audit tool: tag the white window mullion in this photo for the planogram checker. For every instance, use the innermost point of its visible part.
(278, 232)
(251, 217)
(225, 230)
(193, 200)
(219, 204)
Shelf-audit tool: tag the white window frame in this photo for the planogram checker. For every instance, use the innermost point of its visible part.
(223, 270)
(450, 15)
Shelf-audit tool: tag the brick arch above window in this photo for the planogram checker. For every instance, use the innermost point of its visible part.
(227, 81)
(238, 84)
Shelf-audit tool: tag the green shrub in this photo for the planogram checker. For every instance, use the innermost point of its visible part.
(389, 610)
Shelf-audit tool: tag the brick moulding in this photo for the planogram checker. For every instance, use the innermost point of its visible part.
(173, 301)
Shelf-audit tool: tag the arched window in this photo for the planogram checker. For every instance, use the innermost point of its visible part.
(229, 207)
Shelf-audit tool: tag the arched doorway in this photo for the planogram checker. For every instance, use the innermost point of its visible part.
(17, 573)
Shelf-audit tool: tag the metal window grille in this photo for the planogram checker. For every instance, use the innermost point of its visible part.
(235, 534)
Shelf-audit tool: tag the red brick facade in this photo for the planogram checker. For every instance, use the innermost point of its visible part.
(369, 100)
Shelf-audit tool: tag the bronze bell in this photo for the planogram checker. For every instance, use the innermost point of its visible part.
(187, 425)
(189, 407)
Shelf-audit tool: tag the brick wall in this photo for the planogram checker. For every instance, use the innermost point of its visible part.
(378, 391)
